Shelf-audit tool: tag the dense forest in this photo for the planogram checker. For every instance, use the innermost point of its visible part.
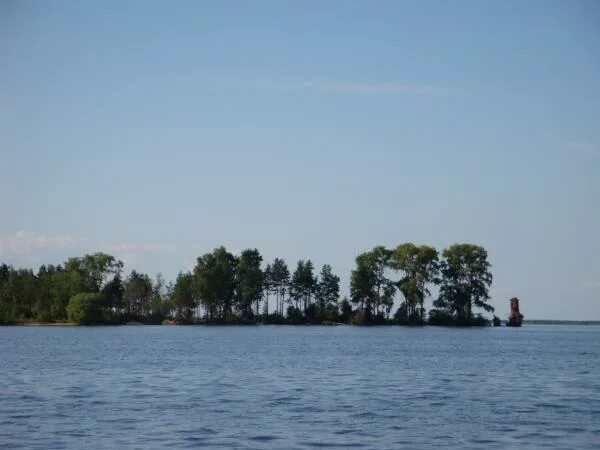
(225, 288)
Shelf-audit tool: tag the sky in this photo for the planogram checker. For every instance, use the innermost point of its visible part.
(157, 131)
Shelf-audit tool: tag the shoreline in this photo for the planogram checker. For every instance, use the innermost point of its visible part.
(172, 323)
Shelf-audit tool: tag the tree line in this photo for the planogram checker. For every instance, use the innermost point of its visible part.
(228, 288)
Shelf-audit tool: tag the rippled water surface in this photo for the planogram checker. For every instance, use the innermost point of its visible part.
(299, 387)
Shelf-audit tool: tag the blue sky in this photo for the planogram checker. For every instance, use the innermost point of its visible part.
(157, 131)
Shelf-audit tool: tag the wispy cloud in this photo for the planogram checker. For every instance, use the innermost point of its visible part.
(349, 87)
(583, 148)
(592, 285)
(136, 248)
(26, 242)
(30, 248)
(130, 254)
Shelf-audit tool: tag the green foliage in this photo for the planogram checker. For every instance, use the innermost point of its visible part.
(85, 308)
(113, 293)
(404, 316)
(249, 282)
(345, 310)
(303, 285)
(95, 269)
(362, 282)
(160, 305)
(419, 264)
(182, 297)
(231, 289)
(214, 283)
(312, 314)
(465, 280)
(328, 291)
(278, 282)
(294, 315)
(370, 289)
(360, 318)
(479, 321)
(330, 313)
(65, 284)
(441, 317)
(137, 296)
(274, 318)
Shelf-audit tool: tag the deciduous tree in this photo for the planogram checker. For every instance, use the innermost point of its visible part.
(465, 281)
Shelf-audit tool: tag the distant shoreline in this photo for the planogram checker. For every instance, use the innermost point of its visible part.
(560, 322)
(72, 324)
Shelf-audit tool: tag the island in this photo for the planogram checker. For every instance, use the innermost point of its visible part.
(224, 288)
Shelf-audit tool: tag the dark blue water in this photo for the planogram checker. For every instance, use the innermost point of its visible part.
(299, 387)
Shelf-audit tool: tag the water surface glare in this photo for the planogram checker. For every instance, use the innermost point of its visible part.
(299, 387)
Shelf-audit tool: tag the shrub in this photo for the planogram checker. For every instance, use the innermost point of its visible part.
(85, 308)
(440, 317)
(345, 310)
(359, 318)
(480, 321)
(294, 315)
(401, 318)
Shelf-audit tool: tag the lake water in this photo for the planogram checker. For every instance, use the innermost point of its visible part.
(299, 387)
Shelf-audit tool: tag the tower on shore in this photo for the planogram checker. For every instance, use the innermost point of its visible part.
(515, 319)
